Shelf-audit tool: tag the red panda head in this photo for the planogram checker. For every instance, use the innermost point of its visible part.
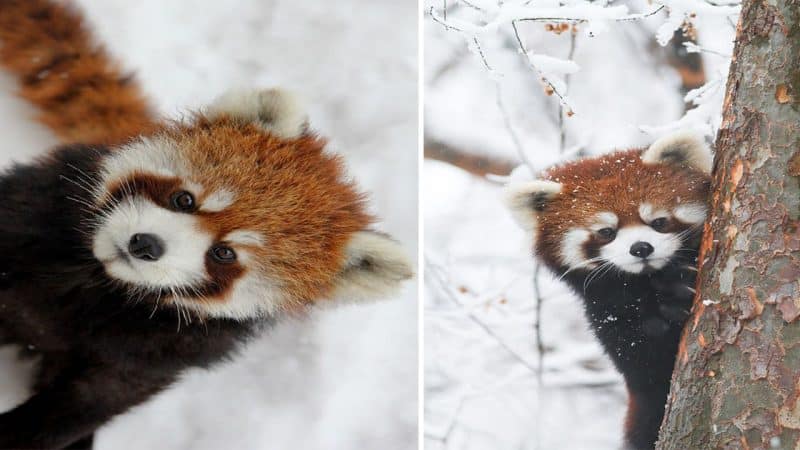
(239, 213)
(635, 210)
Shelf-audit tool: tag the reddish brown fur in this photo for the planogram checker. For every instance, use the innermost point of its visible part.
(82, 96)
(630, 414)
(618, 182)
(290, 191)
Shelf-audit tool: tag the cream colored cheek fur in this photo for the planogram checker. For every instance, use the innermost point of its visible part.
(572, 253)
(252, 295)
(183, 262)
(618, 251)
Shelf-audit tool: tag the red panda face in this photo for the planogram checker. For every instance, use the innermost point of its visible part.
(634, 211)
(239, 213)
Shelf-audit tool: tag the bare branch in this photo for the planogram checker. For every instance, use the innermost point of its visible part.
(562, 141)
(545, 80)
(510, 129)
(438, 274)
(475, 7)
(471, 162)
(443, 21)
(575, 20)
(483, 55)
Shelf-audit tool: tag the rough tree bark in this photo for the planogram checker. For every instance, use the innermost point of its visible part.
(737, 377)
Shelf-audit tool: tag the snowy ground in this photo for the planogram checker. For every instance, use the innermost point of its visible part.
(481, 359)
(342, 379)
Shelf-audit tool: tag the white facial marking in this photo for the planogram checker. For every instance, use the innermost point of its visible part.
(245, 237)
(605, 219)
(191, 186)
(183, 261)
(218, 201)
(253, 296)
(572, 253)
(691, 213)
(618, 251)
(648, 213)
(157, 156)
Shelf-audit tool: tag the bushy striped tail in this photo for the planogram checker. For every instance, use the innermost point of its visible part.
(79, 92)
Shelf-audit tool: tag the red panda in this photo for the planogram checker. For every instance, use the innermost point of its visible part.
(623, 231)
(143, 247)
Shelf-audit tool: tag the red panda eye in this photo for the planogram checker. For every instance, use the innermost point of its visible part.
(183, 201)
(223, 254)
(607, 233)
(659, 224)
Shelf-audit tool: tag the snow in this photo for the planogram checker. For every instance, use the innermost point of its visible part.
(341, 379)
(481, 359)
(682, 10)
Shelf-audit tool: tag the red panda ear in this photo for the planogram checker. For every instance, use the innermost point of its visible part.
(684, 148)
(277, 111)
(375, 267)
(527, 200)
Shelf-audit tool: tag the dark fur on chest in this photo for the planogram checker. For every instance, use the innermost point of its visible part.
(639, 319)
(102, 351)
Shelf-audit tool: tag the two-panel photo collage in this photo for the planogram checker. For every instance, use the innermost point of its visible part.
(400, 225)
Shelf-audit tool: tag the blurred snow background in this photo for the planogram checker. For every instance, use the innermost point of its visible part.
(343, 379)
(488, 385)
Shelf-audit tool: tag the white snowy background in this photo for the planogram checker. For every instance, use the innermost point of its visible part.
(485, 387)
(343, 379)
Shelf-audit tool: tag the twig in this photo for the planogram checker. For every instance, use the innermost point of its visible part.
(510, 128)
(691, 47)
(475, 7)
(561, 113)
(545, 80)
(443, 22)
(724, 3)
(641, 16)
(483, 55)
(575, 20)
(437, 272)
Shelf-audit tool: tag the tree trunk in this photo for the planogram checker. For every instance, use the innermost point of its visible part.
(737, 377)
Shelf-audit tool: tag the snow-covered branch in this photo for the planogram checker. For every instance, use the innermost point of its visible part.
(481, 19)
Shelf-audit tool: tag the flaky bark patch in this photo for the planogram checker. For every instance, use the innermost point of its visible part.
(737, 376)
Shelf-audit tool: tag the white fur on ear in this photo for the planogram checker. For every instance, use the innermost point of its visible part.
(277, 111)
(683, 147)
(526, 200)
(375, 266)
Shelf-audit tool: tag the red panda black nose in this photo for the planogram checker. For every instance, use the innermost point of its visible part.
(641, 249)
(146, 246)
